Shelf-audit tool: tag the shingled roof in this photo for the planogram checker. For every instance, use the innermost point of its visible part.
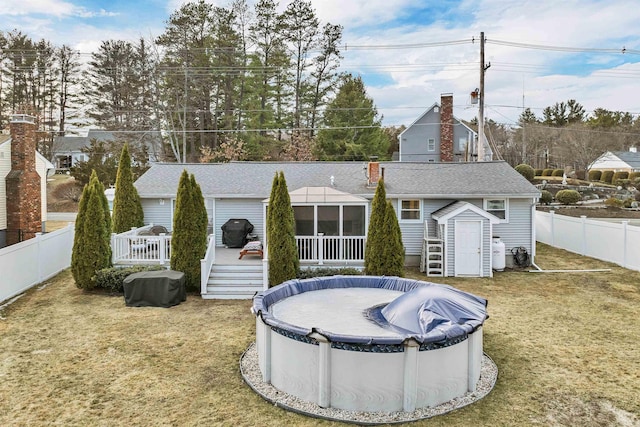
(402, 179)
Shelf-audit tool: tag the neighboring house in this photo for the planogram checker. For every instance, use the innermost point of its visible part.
(438, 136)
(459, 206)
(618, 161)
(23, 199)
(67, 150)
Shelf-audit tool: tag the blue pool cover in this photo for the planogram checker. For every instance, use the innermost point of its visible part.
(427, 312)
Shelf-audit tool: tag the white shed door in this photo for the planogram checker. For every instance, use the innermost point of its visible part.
(468, 248)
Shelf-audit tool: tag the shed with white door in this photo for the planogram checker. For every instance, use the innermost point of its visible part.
(467, 233)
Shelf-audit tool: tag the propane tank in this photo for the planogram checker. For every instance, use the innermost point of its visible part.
(498, 258)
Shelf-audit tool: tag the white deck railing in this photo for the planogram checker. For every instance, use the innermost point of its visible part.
(330, 248)
(131, 248)
(206, 263)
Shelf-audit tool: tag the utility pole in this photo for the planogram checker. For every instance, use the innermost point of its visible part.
(483, 68)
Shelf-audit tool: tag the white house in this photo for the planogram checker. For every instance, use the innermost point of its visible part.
(618, 161)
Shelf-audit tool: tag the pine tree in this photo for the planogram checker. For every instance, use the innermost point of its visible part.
(376, 240)
(283, 253)
(393, 251)
(127, 208)
(353, 126)
(91, 249)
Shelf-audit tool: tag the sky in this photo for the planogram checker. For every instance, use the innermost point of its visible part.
(409, 52)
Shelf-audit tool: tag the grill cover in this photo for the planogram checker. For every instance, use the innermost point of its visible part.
(163, 288)
(234, 232)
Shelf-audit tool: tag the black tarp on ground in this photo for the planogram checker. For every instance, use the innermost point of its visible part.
(234, 232)
(163, 288)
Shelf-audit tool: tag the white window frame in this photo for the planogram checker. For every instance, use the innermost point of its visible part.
(401, 210)
(491, 211)
(431, 144)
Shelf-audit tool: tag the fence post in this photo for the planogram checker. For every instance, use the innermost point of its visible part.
(40, 256)
(583, 218)
(625, 230)
(113, 248)
(553, 228)
(320, 248)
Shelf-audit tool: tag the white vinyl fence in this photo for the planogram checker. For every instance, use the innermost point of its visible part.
(33, 261)
(607, 241)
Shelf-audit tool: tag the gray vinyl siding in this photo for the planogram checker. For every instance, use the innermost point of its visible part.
(517, 232)
(450, 242)
(157, 214)
(249, 209)
(414, 140)
(413, 145)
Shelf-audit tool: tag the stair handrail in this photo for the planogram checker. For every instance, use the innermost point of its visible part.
(207, 263)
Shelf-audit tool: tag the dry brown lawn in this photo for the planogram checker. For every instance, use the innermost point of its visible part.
(566, 344)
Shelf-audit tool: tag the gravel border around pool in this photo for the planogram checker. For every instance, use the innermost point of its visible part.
(251, 374)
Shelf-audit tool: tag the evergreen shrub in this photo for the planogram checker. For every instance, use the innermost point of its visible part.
(617, 176)
(607, 177)
(614, 202)
(595, 175)
(634, 175)
(283, 252)
(568, 197)
(112, 278)
(547, 172)
(557, 172)
(538, 172)
(307, 273)
(546, 197)
(526, 171)
(127, 208)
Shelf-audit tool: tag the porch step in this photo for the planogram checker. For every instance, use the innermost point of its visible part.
(234, 282)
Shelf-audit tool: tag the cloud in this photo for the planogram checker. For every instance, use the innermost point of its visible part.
(55, 8)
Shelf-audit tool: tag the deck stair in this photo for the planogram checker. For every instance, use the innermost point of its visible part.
(234, 281)
(432, 254)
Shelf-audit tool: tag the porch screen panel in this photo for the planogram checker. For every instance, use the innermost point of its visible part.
(353, 221)
(304, 220)
(353, 224)
(329, 220)
(329, 224)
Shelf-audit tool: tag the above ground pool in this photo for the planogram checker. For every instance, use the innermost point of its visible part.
(369, 343)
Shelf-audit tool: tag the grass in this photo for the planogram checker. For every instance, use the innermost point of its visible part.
(566, 345)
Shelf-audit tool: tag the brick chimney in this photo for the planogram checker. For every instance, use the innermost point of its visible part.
(446, 127)
(373, 173)
(24, 209)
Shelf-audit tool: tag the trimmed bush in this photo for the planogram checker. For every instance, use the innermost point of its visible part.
(614, 202)
(568, 197)
(189, 239)
(112, 279)
(538, 172)
(627, 202)
(393, 251)
(526, 171)
(557, 172)
(92, 239)
(322, 272)
(617, 176)
(127, 209)
(595, 175)
(547, 172)
(283, 252)
(546, 197)
(634, 175)
(606, 177)
(376, 241)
